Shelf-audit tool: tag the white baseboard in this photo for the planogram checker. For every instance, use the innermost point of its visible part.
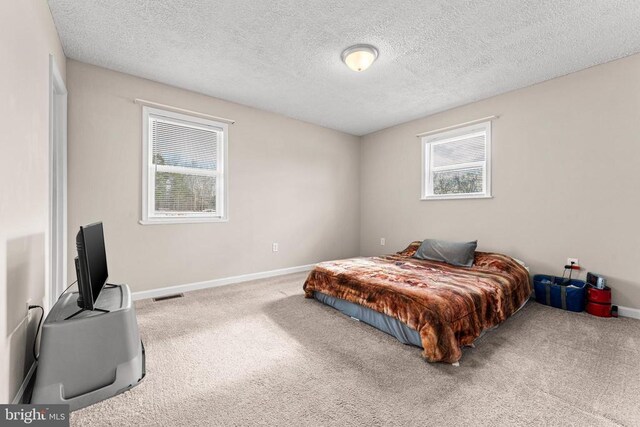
(18, 397)
(629, 312)
(169, 290)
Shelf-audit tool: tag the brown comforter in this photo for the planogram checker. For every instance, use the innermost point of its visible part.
(449, 306)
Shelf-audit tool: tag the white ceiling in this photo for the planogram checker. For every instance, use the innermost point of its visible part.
(284, 56)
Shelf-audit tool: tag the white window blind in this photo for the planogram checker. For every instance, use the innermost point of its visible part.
(184, 168)
(456, 163)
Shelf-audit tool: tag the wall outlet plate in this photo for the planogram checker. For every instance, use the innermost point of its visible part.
(274, 247)
(576, 261)
(383, 241)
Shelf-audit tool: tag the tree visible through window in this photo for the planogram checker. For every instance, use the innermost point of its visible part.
(464, 181)
(175, 192)
(185, 170)
(456, 163)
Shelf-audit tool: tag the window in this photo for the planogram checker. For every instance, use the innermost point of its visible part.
(457, 163)
(184, 168)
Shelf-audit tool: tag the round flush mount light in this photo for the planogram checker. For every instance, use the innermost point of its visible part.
(359, 57)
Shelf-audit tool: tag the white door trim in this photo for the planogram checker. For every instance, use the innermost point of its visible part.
(57, 184)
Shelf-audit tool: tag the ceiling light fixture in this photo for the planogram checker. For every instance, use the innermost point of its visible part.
(359, 57)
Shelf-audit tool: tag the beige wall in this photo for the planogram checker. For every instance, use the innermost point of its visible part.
(289, 182)
(565, 178)
(27, 37)
(564, 183)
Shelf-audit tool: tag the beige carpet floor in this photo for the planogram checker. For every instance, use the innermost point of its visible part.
(258, 353)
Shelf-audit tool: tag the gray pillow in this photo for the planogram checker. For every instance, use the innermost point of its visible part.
(454, 253)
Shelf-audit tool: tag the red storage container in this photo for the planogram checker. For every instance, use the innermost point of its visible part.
(600, 310)
(599, 301)
(602, 296)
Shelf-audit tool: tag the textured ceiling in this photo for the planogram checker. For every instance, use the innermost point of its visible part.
(284, 56)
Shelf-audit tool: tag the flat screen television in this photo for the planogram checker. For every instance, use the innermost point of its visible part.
(91, 264)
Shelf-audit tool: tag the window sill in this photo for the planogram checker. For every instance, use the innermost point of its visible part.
(462, 197)
(166, 221)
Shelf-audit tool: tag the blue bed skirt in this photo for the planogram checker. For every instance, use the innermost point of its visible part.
(388, 324)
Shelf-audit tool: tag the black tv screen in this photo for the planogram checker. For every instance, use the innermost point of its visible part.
(92, 259)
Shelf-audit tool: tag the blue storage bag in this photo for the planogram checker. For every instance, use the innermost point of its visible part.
(559, 292)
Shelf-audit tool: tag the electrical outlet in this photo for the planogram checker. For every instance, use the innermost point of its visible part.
(274, 247)
(26, 313)
(576, 261)
(383, 241)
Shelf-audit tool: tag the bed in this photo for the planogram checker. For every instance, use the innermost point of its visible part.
(434, 305)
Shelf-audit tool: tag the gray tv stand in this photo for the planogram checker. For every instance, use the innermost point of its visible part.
(88, 356)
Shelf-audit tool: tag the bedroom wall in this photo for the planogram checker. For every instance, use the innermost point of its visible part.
(565, 178)
(290, 182)
(27, 38)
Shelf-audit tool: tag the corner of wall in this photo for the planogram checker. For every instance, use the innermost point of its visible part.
(361, 142)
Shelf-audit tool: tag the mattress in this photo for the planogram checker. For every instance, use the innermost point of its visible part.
(381, 321)
(449, 307)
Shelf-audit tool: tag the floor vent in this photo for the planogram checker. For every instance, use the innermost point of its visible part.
(168, 297)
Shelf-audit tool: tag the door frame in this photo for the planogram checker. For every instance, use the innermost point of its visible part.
(57, 183)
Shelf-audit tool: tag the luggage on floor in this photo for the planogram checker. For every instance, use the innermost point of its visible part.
(560, 292)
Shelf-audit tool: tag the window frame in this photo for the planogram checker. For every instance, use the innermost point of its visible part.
(429, 141)
(149, 215)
